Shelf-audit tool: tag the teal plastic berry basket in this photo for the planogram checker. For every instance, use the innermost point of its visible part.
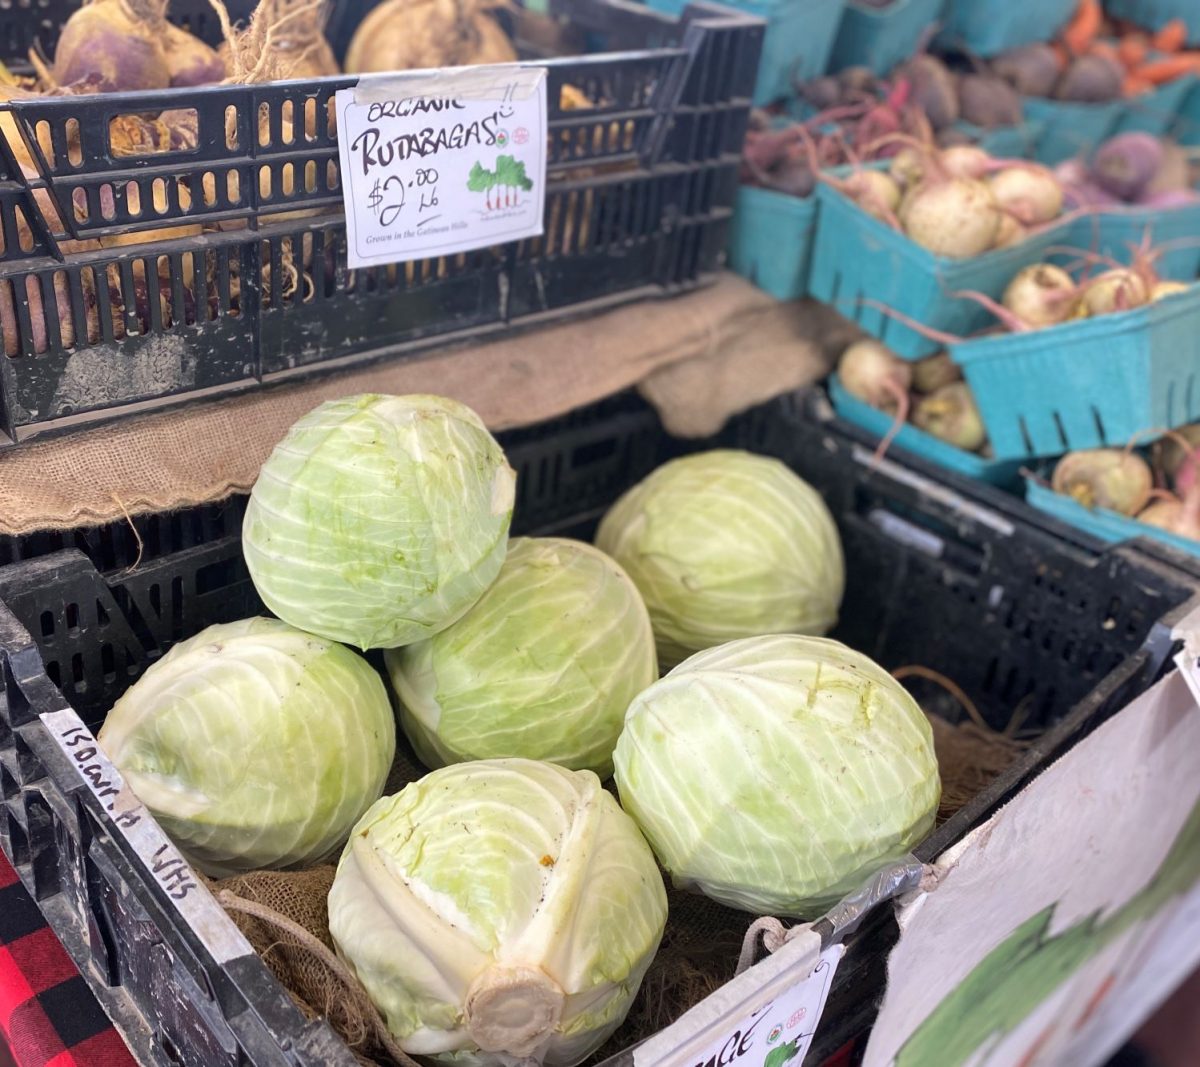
(797, 43)
(771, 239)
(988, 27)
(1156, 112)
(1005, 142)
(1088, 383)
(1006, 474)
(880, 38)
(1107, 525)
(857, 258)
(1069, 129)
(1155, 14)
(1174, 231)
(1186, 127)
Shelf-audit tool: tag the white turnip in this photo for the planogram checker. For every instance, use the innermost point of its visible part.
(950, 414)
(1120, 289)
(932, 372)
(1030, 193)
(907, 167)
(1161, 290)
(874, 374)
(1010, 233)
(956, 217)
(875, 192)
(1172, 516)
(1040, 295)
(964, 161)
(1111, 478)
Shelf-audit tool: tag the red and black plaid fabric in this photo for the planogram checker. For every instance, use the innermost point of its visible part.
(48, 1016)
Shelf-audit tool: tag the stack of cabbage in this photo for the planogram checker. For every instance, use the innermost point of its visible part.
(504, 906)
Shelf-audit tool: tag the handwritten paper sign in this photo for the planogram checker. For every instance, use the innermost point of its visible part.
(435, 163)
(135, 823)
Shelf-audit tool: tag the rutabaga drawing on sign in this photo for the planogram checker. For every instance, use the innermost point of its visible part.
(1068, 916)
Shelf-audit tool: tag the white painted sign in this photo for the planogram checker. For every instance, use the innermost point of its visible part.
(766, 1017)
(135, 823)
(439, 162)
(1059, 924)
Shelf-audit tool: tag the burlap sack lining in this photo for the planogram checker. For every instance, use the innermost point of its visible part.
(283, 915)
(699, 358)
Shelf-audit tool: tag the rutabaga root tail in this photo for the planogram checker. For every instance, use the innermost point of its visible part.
(940, 336)
(903, 405)
(1162, 431)
(1010, 321)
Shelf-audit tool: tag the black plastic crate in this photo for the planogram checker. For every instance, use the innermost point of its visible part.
(986, 594)
(638, 201)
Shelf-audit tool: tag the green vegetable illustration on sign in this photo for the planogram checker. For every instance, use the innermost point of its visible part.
(1031, 963)
(777, 1057)
(508, 177)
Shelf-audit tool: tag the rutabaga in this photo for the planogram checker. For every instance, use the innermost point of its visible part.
(254, 745)
(543, 666)
(726, 544)
(378, 520)
(774, 774)
(499, 910)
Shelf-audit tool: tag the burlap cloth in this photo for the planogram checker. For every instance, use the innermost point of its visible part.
(698, 358)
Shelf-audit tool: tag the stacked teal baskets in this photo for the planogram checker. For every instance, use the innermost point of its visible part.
(988, 27)
(771, 238)
(796, 47)
(881, 37)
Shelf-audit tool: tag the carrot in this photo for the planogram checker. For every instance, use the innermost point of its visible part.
(1172, 37)
(1085, 24)
(1132, 50)
(1161, 71)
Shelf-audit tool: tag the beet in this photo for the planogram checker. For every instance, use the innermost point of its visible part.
(1174, 173)
(952, 137)
(858, 80)
(933, 89)
(1124, 165)
(1090, 79)
(822, 93)
(793, 177)
(1031, 69)
(988, 101)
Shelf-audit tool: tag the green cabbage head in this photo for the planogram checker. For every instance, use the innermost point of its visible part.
(726, 544)
(543, 666)
(775, 774)
(378, 520)
(499, 910)
(255, 745)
